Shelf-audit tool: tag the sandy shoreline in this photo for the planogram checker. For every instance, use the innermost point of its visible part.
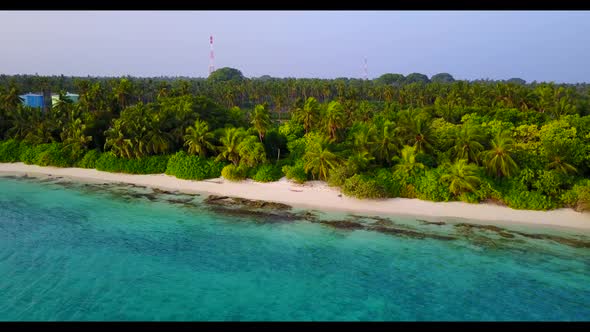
(320, 196)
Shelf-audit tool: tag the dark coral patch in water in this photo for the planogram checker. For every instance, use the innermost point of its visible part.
(437, 223)
(411, 233)
(237, 201)
(343, 224)
(495, 229)
(572, 242)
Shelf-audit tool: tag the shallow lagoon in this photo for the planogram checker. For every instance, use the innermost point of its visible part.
(76, 251)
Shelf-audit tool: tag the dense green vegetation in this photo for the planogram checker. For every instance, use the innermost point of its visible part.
(440, 139)
(192, 167)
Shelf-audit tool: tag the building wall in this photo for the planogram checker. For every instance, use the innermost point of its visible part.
(72, 96)
(33, 100)
(38, 100)
(54, 99)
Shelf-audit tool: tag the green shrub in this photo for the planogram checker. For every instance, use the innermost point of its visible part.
(487, 190)
(385, 177)
(30, 153)
(426, 159)
(531, 158)
(569, 198)
(233, 173)
(215, 168)
(549, 183)
(578, 197)
(583, 198)
(10, 151)
(428, 187)
(147, 165)
(515, 194)
(89, 159)
(152, 165)
(108, 162)
(406, 182)
(297, 148)
(267, 173)
(528, 200)
(295, 172)
(55, 155)
(338, 176)
(184, 166)
(362, 186)
(468, 197)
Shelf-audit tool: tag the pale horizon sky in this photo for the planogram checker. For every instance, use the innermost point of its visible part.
(532, 45)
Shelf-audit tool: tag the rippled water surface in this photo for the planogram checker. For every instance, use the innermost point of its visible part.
(74, 251)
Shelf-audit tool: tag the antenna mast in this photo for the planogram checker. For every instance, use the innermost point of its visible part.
(366, 70)
(211, 56)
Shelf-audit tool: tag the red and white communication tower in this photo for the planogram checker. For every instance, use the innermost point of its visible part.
(366, 73)
(211, 56)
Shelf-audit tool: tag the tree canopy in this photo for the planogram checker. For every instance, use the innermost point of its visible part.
(525, 145)
(226, 74)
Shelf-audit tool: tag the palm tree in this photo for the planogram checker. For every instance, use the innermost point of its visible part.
(117, 142)
(319, 160)
(155, 140)
(40, 132)
(498, 160)
(94, 98)
(561, 166)
(251, 151)
(261, 120)
(359, 161)
(230, 145)
(407, 163)
(123, 92)
(74, 137)
(21, 122)
(466, 143)
(544, 100)
(183, 88)
(309, 114)
(364, 137)
(421, 133)
(12, 99)
(563, 107)
(163, 90)
(63, 104)
(83, 87)
(386, 142)
(461, 177)
(198, 139)
(334, 118)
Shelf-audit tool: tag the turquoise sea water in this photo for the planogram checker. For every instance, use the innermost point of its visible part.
(70, 251)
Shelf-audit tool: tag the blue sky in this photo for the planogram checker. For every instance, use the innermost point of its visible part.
(533, 45)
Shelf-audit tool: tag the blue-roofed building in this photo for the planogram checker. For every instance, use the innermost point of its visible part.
(73, 97)
(33, 99)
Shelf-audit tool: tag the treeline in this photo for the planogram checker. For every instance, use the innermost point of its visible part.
(228, 87)
(522, 145)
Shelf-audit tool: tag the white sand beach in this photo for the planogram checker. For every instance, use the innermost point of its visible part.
(319, 195)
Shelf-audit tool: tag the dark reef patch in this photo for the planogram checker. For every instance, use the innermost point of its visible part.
(572, 242)
(410, 233)
(237, 201)
(259, 216)
(495, 229)
(437, 223)
(342, 224)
